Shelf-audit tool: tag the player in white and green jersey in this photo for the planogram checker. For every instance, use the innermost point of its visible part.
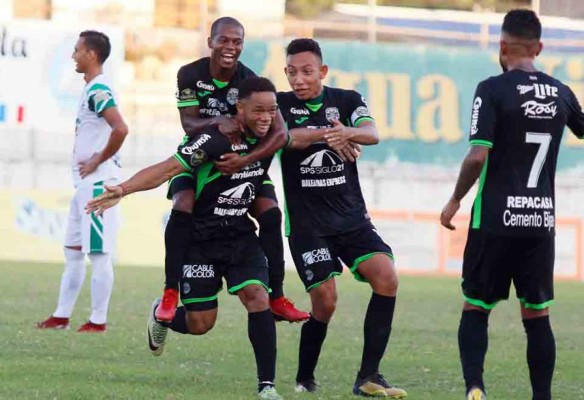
(99, 134)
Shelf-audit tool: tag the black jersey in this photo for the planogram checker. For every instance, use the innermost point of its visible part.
(521, 116)
(323, 195)
(221, 202)
(196, 87)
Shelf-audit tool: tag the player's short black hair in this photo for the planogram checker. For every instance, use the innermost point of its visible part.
(253, 85)
(98, 42)
(522, 24)
(224, 20)
(304, 44)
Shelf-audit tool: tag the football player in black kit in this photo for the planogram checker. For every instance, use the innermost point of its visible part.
(223, 240)
(206, 96)
(517, 123)
(326, 216)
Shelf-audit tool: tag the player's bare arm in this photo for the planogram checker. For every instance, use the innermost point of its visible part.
(145, 179)
(301, 138)
(469, 173)
(193, 124)
(340, 135)
(116, 139)
(275, 139)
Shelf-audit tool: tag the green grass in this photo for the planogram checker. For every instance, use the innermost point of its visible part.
(422, 357)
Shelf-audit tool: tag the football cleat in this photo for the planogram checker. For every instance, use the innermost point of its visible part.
(284, 310)
(53, 323)
(90, 327)
(156, 331)
(167, 308)
(269, 393)
(476, 394)
(308, 385)
(376, 386)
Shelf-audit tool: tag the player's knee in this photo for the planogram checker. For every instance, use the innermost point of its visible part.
(254, 298)
(184, 201)
(270, 220)
(198, 325)
(530, 313)
(324, 303)
(388, 283)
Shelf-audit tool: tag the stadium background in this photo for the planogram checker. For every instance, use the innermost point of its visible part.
(417, 67)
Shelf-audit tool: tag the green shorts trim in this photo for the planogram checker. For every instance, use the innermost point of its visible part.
(541, 306)
(268, 183)
(363, 258)
(480, 303)
(187, 174)
(317, 284)
(234, 289)
(199, 299)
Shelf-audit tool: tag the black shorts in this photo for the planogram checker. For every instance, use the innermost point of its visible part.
(318, 259)
(492, 262)
(239, 260)
(268, 190)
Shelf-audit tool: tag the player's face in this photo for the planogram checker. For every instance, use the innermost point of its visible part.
(259, 110)
(305, 73)
(81, 55)
(226, 45)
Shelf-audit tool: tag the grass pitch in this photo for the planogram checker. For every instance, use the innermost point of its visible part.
(422, 356)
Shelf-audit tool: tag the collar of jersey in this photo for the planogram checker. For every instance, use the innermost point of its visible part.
(220, 84)
(315, 104)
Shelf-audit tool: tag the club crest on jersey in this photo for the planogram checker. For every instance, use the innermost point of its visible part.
(232, 96)
(188, 94)
(331, 114)
(198, 157)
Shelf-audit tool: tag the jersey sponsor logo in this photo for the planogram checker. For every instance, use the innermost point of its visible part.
(239, 147)
(536, 110)
(299, 111)
(313, 183)
(300, 120)
(530, 202)
(206, 86)
(316, 256)
(241, 195)
(332, 114)
(323, 159)
(212, 112)
(232, 95)
(541, 90)
(198, 271)
(248, 174)
(531, 219)
(474, 121)
(215, 103)
(189, 150)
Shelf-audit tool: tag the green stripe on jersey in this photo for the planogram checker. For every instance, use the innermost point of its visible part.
(478, 203)
(189, 103)
(220, 84)
(96, 224)
(479, 142)
(363, 119)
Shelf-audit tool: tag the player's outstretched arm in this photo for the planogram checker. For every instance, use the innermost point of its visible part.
(116, 139)
(145, 179)
(340, 135)
(469, 172)
(275, 139)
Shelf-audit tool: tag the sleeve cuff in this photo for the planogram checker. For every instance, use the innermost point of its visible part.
(183, 162)
(478, 142)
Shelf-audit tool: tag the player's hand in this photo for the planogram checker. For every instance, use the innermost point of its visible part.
(230, 163)
(89, 166)
(108, 199)
(350, 152)
(338, 136)
(230, 128)
(448, 212)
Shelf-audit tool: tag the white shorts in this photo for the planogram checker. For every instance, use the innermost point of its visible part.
(94, 234)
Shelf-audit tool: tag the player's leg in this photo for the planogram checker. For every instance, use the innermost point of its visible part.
(99, 234)
(371, 260)
(486, 274)
(316, 267)
(269, 217)
(247, 276)
(177, 236)
(74, 272)
(534, 285)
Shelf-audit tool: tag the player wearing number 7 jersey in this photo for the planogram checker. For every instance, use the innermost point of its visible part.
(518, 119)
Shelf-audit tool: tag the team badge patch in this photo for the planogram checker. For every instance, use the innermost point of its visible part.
(188, 94)
(198, 157)
(362, 111)
(332, 113)
(232, 96)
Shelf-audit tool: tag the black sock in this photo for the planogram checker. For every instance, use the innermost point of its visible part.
(261, 330)
(179, 322)
(473, 341)
(270, 235)
(177, 237)
(377, 328)
(541, 356)
(311, 339)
